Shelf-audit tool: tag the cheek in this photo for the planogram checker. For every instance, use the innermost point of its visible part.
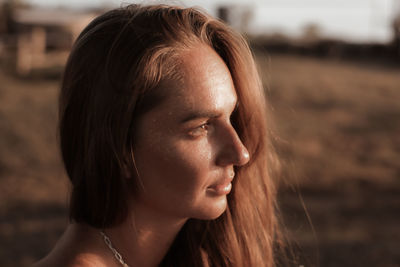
(192, 158)
(174, 164)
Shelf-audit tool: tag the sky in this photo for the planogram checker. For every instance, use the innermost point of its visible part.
(351, 20)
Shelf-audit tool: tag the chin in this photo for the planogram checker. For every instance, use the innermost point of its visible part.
(213, 210)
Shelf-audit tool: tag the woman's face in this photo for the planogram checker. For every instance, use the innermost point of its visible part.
(186, 148)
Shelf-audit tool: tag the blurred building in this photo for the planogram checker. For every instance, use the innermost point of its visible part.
(41, 38)
(237, 16)
(396, 32)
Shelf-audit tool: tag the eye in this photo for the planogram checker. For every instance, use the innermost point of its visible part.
(205, 126)
(200, 130)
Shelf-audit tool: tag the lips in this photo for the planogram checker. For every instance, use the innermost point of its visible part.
(222, 188)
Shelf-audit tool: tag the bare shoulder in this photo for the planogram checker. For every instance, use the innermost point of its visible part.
(75, 248)
(87, 261)
(78, 261)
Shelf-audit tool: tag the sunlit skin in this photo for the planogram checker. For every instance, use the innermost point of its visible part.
(185, 150)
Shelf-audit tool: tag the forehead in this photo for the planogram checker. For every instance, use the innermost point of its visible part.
(205, 81)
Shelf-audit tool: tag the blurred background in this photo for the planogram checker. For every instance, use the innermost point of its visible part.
(331, 71)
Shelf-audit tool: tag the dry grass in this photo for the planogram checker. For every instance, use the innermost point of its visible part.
(32, 182)
(337, 131)
(337, 128)
(338, 121)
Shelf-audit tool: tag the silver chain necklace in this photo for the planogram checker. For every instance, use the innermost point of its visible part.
(113, 250)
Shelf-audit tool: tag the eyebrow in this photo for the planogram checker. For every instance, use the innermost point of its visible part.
(201, 115)
(196, 115)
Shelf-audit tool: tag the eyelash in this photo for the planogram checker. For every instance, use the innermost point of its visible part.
(200, 130)
(203, 129)
(204, 125)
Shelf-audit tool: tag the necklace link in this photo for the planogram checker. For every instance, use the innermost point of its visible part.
(113, 250)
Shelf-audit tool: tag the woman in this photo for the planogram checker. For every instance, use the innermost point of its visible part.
(164, 139)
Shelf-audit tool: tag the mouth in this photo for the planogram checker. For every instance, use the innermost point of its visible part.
(222, 188)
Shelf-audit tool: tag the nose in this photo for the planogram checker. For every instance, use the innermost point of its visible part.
(232, 152)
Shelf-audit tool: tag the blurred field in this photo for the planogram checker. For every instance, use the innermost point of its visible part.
(338, 135)
(337, 131)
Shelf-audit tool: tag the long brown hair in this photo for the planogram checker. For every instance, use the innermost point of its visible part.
(111, 77)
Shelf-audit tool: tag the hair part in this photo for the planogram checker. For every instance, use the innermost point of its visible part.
(112, 77)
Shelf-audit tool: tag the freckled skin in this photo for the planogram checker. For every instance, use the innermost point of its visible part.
(179, 162)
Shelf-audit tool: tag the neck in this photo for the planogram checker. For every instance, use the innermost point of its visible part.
(144, 238)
